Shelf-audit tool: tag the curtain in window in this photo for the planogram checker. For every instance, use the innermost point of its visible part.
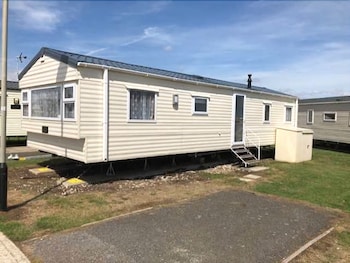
(142, 104)
(46, 102)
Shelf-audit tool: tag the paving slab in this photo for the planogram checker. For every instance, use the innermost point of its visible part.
(41, 171)
(229, 226)
(256, 169)
(252, 176)
(246, 180)
(9, 253)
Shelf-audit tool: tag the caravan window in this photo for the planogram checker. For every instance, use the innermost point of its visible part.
(142, 105)
(25, 103)
(330, 116)
(200, 105)
(46, 102)
(49, 102)
(310, 116)
(267, 108)
(288, 117)
(69, 102)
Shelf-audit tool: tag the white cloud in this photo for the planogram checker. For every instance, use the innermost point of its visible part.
(36, 15)
(153, 35)
(93, 52)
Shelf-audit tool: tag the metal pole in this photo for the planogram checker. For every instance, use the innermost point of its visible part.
(3, 165)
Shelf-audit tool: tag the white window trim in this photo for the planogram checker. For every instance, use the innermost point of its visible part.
(194, 112)
(307, 116)
(263, 117)
(69, 100)
(61, 110)
(26, 102)
(329, 112)
(156, 94)
(285, 113)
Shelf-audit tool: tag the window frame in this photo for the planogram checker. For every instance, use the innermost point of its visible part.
(66, 101)
(286, 107)
(265, 104)
(196, 112)
(155, 94)
(25, 103)
(330, 120)
(63, 101)
(60, 103)
(308, 115)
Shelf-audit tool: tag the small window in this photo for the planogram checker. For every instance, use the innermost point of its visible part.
(200, 105)
(310, 116)
(68, 93)
(330, 116)
(69, 102)
(267, 110)
(25, 103)
(288, 114)
(142, 105)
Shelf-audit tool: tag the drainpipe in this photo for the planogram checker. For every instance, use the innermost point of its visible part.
(105, 114)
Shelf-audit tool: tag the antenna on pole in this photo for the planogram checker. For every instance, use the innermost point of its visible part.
(20, 59)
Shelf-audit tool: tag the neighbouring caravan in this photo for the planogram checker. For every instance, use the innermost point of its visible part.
(13, 110)
(98, 110)
(329, 118)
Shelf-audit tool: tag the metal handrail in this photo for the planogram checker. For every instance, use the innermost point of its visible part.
(251, 142)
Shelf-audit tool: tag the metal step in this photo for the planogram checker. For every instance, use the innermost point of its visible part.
(247, 156)
(243, 153)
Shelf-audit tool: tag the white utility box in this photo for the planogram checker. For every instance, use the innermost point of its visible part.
(293, 145)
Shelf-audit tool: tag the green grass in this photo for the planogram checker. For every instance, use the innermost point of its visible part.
(344, 238)
(16, 231)
(323, 181)
(228, 179)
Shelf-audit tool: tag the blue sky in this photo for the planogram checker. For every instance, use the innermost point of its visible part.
(298, 47)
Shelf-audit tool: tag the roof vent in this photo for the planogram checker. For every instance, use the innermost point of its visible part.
(249, 81)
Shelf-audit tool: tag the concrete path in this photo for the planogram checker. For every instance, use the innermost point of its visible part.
(230, 226)
(9, 253)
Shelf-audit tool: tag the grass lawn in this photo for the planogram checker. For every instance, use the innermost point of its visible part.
(324, 181)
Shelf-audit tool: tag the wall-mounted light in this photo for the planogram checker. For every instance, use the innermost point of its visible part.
(175, 100)
(16, 101)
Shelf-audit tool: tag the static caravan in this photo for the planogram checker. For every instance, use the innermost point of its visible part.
(13, 110)
(329, 118)
(98, 110)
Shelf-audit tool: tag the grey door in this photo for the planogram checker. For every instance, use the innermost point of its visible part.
(239, 118)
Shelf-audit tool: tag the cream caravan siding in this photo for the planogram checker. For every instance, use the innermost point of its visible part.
(48, 71)
(175, 131)
(91, 113)
(13, 118)
(338, 131)
(254, 119)
(61, 146)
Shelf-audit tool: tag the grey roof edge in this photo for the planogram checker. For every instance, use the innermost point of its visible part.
(337, 99)
(73, 59)
(11, 85)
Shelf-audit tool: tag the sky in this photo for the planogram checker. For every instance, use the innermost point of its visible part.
(301, 48)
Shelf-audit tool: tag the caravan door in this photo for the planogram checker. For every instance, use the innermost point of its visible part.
(238, 119)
